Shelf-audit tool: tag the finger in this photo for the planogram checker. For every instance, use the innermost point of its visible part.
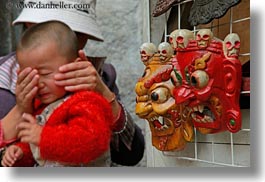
(32, 83)
(82, 55)
(22, 134)
(29, 118)
(77, 81)
(80, 87)
(23, 87)
(25, 139)
(22, 74)
(31, 94)
(8, 160)
(77, 59)
(4, 163)
(26, 75)
(17, 153)
(74, 66)
(82, 69)
(86, 72)
(12, 155)
(26, 91)
(23, 125)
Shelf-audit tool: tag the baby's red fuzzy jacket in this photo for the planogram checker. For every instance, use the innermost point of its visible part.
(77, 132)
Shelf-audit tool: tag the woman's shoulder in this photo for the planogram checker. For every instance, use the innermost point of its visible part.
(11, 56)
(109, 72)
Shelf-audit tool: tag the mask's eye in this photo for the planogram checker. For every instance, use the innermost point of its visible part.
(160, 95)
(237, 44)
(142, 52)
(199, 79)
(228, 45)
(180, 39)
(170, 39)
(205, 37)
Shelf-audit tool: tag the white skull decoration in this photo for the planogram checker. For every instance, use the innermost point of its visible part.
(147, 50)
(183, 37)
(204, 37)
(172, 39)
(165, 50)
(231, 46)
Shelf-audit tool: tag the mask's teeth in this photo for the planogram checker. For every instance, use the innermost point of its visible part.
(161, 120)
(201, 107)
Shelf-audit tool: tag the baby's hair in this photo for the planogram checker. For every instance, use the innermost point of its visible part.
(55, 31)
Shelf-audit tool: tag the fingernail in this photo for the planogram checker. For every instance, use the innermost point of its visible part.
(61, 68)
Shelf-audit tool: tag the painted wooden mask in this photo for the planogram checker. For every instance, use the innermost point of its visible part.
(156, 104)
(210, 88)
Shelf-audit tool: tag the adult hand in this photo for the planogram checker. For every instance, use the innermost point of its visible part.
(12, 154)
(79, 75)
(26, 89)
(82, 75)
(29, 131)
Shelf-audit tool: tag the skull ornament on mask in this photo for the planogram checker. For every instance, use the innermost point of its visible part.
(183, 37)
(203, 38)
(231, 46)
(179, 39)
(147, 50)
(172, 39)
(165, 50)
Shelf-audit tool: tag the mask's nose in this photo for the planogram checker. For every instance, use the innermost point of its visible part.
(182, 94)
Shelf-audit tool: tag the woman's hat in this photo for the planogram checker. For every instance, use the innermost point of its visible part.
(79, 15)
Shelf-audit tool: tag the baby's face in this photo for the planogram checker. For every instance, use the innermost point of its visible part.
(46, 60)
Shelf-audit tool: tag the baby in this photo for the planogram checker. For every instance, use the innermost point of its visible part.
(65, 129)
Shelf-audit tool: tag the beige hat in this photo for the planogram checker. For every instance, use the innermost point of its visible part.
(79, 15)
